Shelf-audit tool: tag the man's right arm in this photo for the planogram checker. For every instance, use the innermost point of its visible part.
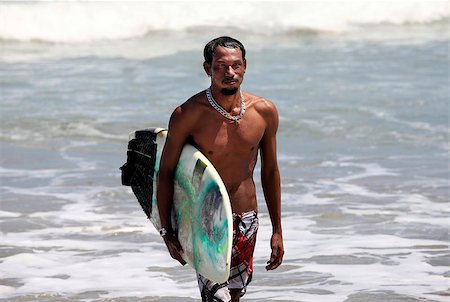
(176, 138)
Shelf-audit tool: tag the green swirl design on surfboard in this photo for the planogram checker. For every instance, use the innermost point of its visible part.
(199, 199)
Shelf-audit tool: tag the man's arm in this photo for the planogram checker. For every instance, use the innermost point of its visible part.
(270, 179)
(176, 138)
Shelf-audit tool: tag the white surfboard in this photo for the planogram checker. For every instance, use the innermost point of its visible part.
(202, 212)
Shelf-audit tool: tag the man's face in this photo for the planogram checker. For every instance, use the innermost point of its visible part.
(227, 69)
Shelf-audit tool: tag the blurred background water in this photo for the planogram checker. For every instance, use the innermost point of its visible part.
(362, 92)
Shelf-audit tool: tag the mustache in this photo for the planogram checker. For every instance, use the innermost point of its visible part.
(229, 79)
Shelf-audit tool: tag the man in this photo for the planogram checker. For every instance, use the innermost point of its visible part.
(229, 127)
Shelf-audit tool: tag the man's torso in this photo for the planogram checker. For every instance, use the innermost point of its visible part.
(232, 148)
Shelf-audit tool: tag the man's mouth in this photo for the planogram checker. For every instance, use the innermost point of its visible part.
(232, 81)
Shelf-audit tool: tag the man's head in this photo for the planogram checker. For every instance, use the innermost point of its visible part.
(224, 41)
(225, 63)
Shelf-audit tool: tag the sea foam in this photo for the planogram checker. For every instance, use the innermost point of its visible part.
(85, 21)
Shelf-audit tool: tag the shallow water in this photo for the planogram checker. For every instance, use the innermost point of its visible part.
(363, 153)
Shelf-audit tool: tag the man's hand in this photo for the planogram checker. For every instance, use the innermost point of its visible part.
(276, 257)
(174, 247)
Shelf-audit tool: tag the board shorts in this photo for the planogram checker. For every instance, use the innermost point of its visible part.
(245, 227)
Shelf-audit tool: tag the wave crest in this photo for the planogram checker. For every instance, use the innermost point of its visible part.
(81, 21)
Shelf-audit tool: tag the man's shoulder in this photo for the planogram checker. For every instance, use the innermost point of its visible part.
(190, 108)
(197, 99)
(261, 105)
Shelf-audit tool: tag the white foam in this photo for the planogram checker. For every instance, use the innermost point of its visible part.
(89, 130)
(92, 261)
(64, 257)
(6, 290)
(117, 274)
(309, 198)
(408, 272)
(21, 134)
(369, 170)
(40, 131)
(417, 125)
(421, 206)
(290, 159)
(38, 173)
(353, 189)
(84, 21)
(6, 214)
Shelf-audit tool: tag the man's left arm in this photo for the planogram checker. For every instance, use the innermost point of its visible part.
(270, 179)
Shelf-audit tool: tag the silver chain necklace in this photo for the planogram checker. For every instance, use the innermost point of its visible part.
(215, 105)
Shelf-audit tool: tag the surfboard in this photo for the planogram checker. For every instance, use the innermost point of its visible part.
(201, 212)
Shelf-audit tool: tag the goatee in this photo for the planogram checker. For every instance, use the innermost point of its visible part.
(228, 91)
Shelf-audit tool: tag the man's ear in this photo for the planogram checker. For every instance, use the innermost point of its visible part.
(207, 68)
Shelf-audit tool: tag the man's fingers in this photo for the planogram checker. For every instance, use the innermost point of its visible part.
(275, 259)
(273, 264)
(179, 258)
(176, 254)
(175, 249)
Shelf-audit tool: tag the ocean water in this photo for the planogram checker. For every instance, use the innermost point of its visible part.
(363, 145)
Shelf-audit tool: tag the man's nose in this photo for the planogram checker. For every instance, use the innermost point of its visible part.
(229, 70)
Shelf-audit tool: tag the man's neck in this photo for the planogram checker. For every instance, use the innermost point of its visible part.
(227, 102)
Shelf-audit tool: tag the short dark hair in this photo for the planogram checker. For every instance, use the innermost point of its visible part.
(223, 41)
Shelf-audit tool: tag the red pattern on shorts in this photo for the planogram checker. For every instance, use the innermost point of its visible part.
(245, 228)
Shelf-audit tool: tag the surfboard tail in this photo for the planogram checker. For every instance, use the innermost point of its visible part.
(138, 172)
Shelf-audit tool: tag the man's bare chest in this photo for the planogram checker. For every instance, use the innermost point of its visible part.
(224, 138)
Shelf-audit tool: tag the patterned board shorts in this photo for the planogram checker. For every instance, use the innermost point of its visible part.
(245, 227)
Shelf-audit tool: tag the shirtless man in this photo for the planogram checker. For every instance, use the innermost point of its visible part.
(229, 127)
